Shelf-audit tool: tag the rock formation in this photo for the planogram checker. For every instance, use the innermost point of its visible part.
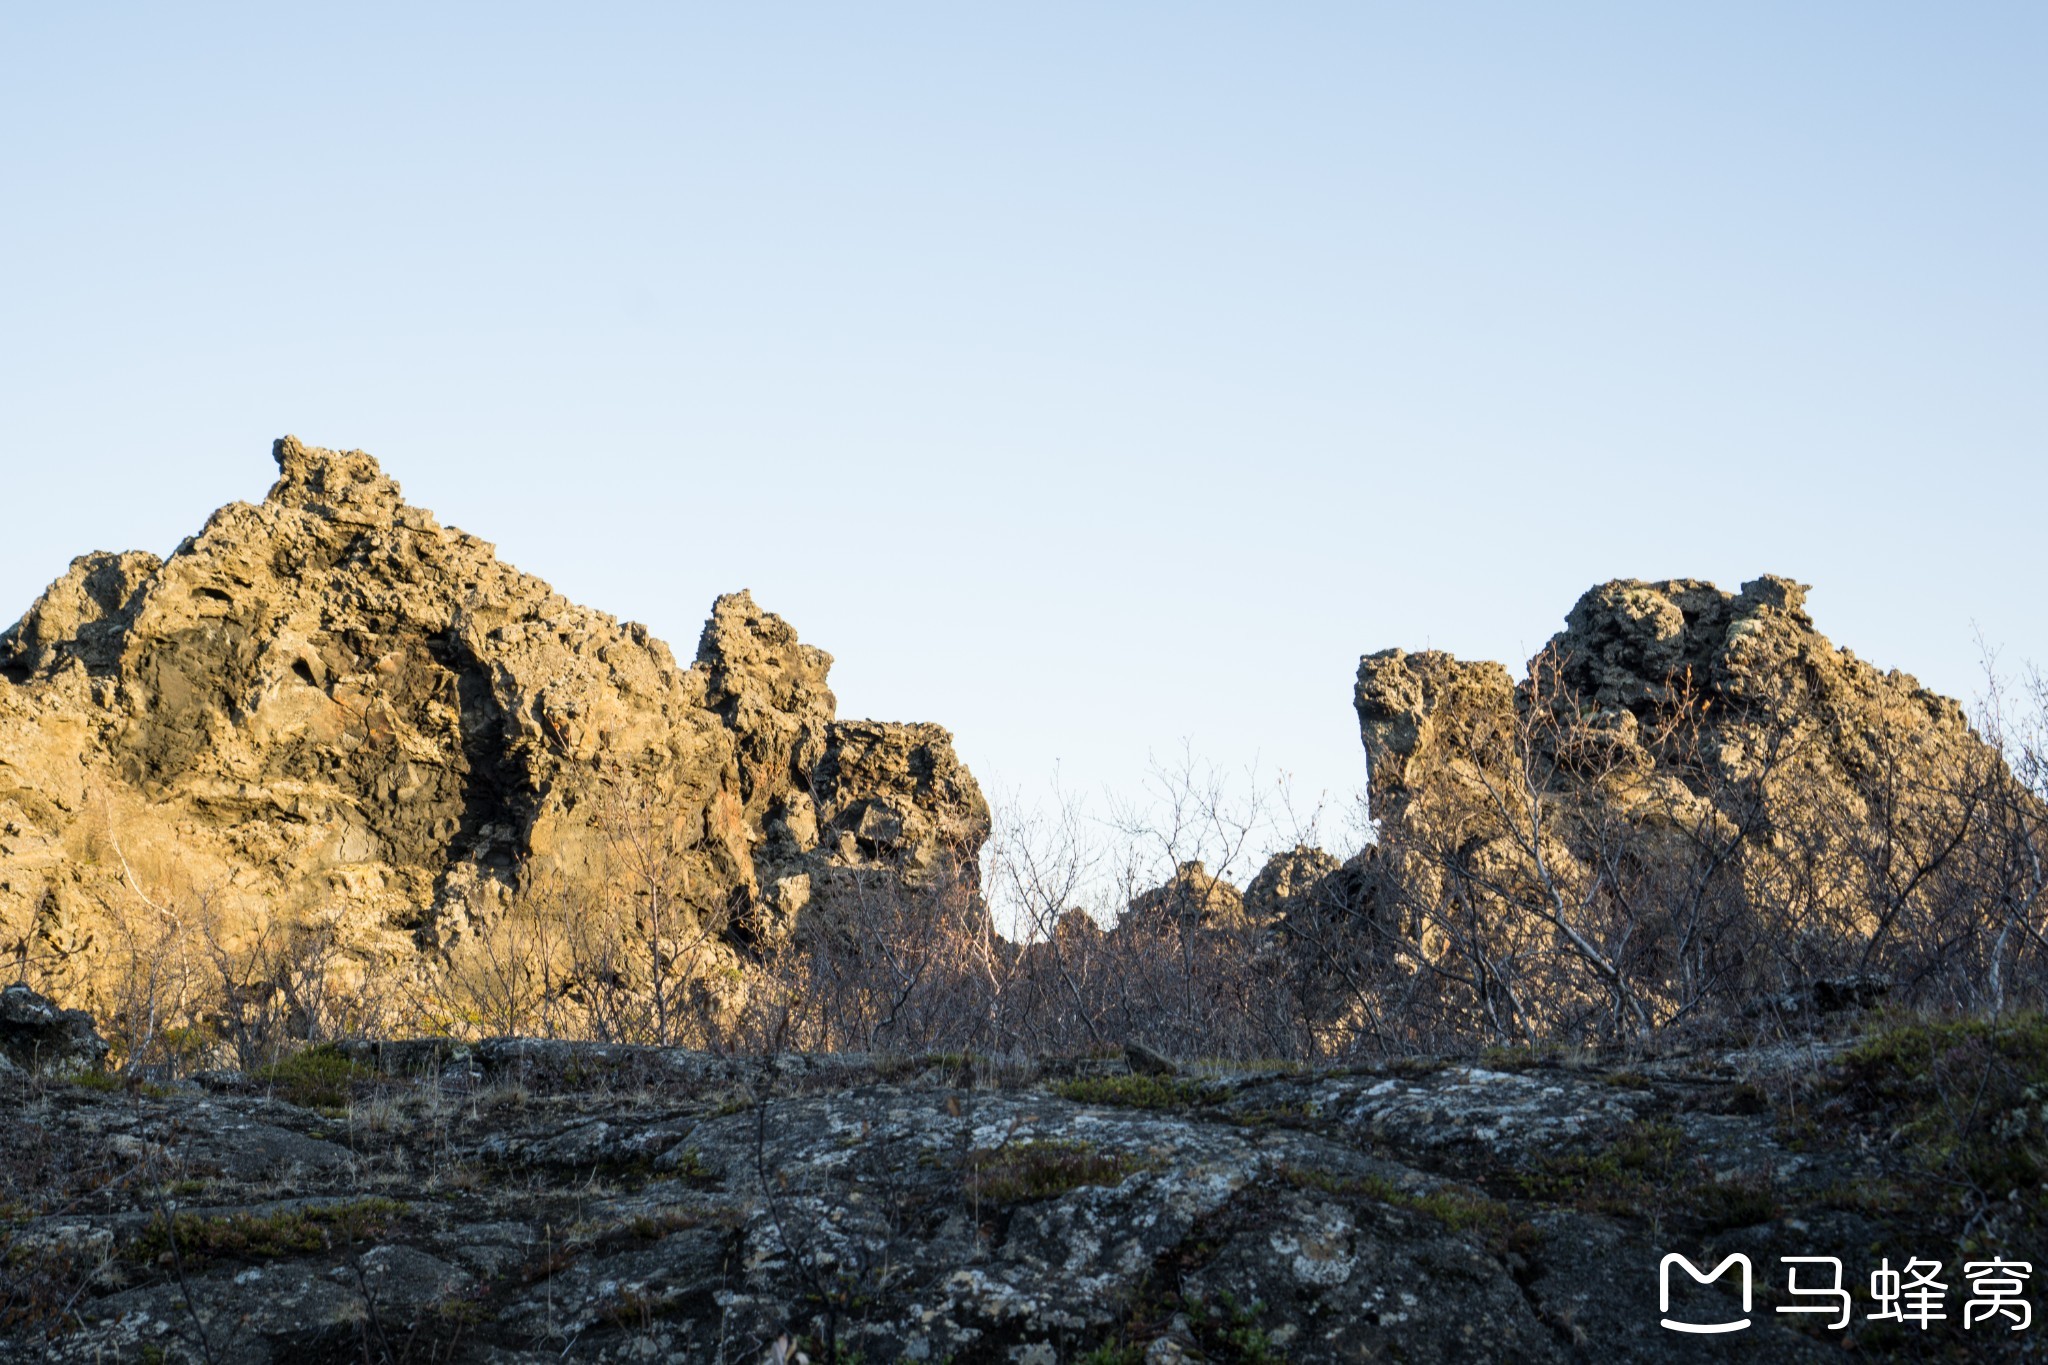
(1690, 715)
(1191, 898)
(328, 713)
(1291, 883)
(1690, 796)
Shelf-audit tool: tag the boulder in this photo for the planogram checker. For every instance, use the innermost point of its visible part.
(38, 1037)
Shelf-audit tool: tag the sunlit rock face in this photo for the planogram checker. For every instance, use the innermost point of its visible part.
(327, 712)
(1690, 804)
(1677, 706)
(1680, 756)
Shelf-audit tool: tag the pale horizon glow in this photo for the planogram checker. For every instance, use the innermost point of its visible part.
(1090, 380)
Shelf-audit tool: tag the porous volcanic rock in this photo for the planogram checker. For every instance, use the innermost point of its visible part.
(1291, 883)
(1680, 768)
(1682, 703)
(1191, 898)
(327, 710)
(1676, 730)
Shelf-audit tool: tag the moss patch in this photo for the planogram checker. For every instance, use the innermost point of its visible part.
(1137, 1092)
(1634, 1172)
(250, 1236)
(1458, 1209)
(1966, 1099)
(1644, 1171)
(317, 1078)
(103, 1081)
(1024, 1171)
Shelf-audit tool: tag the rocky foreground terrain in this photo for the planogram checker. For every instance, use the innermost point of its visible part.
(523, 1200)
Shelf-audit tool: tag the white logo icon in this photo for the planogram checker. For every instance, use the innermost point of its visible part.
(1664, 1292)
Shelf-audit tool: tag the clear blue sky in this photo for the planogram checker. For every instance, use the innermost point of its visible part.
(1089, 378)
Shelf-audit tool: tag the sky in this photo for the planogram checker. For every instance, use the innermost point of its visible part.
(1098, 380)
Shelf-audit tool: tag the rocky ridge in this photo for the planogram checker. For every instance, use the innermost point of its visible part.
(326, 714)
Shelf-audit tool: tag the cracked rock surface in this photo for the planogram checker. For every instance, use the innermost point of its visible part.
(513, 1201)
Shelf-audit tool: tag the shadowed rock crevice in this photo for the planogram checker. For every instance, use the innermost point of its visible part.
(499, 800)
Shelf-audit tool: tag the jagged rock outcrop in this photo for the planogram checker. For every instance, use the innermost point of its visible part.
(1696, 710)
(1294, 883)
(1686, 765)
(328, 711)
(1692, 806)
(1192, 898)
(1439, 737)
(1675, 705)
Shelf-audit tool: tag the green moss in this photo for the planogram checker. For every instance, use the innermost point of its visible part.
(639, 1230)
(317, 1078)
(1623, 1079)
(1635, 1171)
(1227, 1330)
(249, 1236)
(1410, 1066)
(1114, 1353)
(1643, 1172)
(103, 1081)
(464, 1310)
(690, 1166)
(1136, 1092)
(1297, 1115)
(652, 1227)
(1496, 1058)
(1968, 1099)
(1738, 1203)
(1458, 1209)
(1021, 1171)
